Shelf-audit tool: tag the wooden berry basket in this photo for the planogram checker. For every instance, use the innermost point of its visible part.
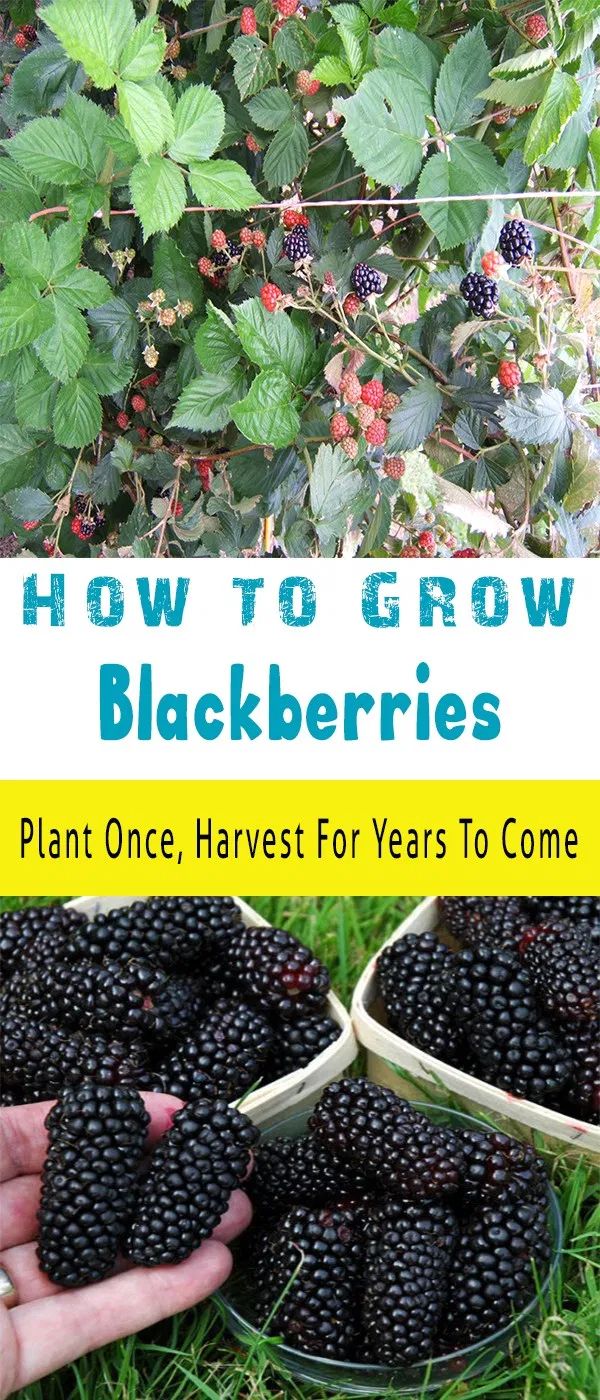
(397, 1063)
(295, 1091)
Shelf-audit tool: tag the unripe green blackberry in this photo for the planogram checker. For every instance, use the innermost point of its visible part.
(194, 1169)
(97, 1136)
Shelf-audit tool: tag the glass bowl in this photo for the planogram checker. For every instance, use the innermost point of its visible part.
(358, 1378)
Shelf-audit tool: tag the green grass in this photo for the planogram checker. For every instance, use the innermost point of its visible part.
(194, 1355)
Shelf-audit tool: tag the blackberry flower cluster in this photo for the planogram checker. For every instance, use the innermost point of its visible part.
(510, 993)
(364, 1226)
(171, 994)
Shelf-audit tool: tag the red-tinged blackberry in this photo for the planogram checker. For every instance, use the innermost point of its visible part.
(498, 1168)
(492, 1271)
(296, 1171)
(168, 932)
(231, 1045)
(194, 1169)
(484, 922)
(409, 973)
(296, 1043)
(273, 967)
(407, 1260)
(386, 1140)
(96, 1141)
(516, 1045)
(317, 1256)
(480, 293)
(366, 281)
(562, 961)
(296, 246)
(130, 1001)
(39, 1058)
(19, 926)
(577, 910)
(582, 1093)
(515, 242)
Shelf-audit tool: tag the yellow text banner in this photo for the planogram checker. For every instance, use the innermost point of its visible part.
(351, 837)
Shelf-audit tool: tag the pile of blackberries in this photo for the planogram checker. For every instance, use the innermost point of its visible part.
(381, 1236)
(515, 1000)
(168, 994)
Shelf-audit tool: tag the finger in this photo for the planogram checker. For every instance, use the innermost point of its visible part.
(54, 1331)
(19, 1202)
(236, 1219)
(22, 1265)
(24, 1140)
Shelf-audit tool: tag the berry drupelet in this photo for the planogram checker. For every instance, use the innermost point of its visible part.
(562, 961)
(231, 1046)
(410, 974)
(407, 1259)
(480, 293)
(97, 1136)
(316, 1255)
(273, 967)
(366, 281)
(197, 1164)
(515, 242)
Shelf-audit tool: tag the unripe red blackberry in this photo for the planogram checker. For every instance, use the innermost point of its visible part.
(306, 84)
(365, 416)
(286, 8)
(351, 305)
(349, 445)
(205, 267)
(339, 427)
(251, 143)
(535, 27)
(248, 20)
(373, 393)
(350, 387)
(410, 551)
(138, 403)
(295, 218)
(245, 236)
(389, 404)
(466, 554)
(122, 421)
(427, 542)
(492, 264)
(270, 296)
(377, 432)
(258, 238)
(394, 467)
(509, 374)
(19, 40)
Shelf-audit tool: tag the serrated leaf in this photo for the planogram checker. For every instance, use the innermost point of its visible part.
(535, 416)
(286, 155)
(93, 33)
(267, 415)
(34, 401)
(65, 250)
(384, 125)
(41, 81)
(25, 253)
(403, 14)
(352, 48)
(214, 37)
(199, 123)
(17, 456)
(292, 47)
(334, 485)
(77, 414)
(594, 145)
(144, 51)
(206, 403)
(584, 486)
(253, 64)
(105, 374)
(174, 273)
(63, 347)
(463, 74)
(269, 109)
(411, 59)
(84, 288)
(469, 168)
(223, 184)
(216, 342)
(23, 316)
(158, 193)
(117, 329)
(92, 124)
(581, 39)
(517, 92)
(416, 416)
(352, 18)
(270, 340)
(28, 503)
(562, 98)
(147, 115)
(50, 151)
(332, 71)
(523, 63)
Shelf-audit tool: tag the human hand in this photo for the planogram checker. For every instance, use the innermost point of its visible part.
(48, 1326)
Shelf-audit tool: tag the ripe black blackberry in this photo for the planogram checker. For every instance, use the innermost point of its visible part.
(492, 1271)
(516, 1045)
(407, 1259)
(197, 1164)
(296, 245)
(577, 910)
(172, 933)
(484, 923)
(318, 1313)
(480, 293)
(411, 975)
(498, 1168)
(382, 1137)
(296, 1171)
(515, 242)
(235, 250)
(39, 1059)
(366, 281)
(130, 1001)
(231, 1046)
(562, 961)
(582, 1039)
(297, 1042)
(97, 1136)
(19, 926)
(273, 967)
